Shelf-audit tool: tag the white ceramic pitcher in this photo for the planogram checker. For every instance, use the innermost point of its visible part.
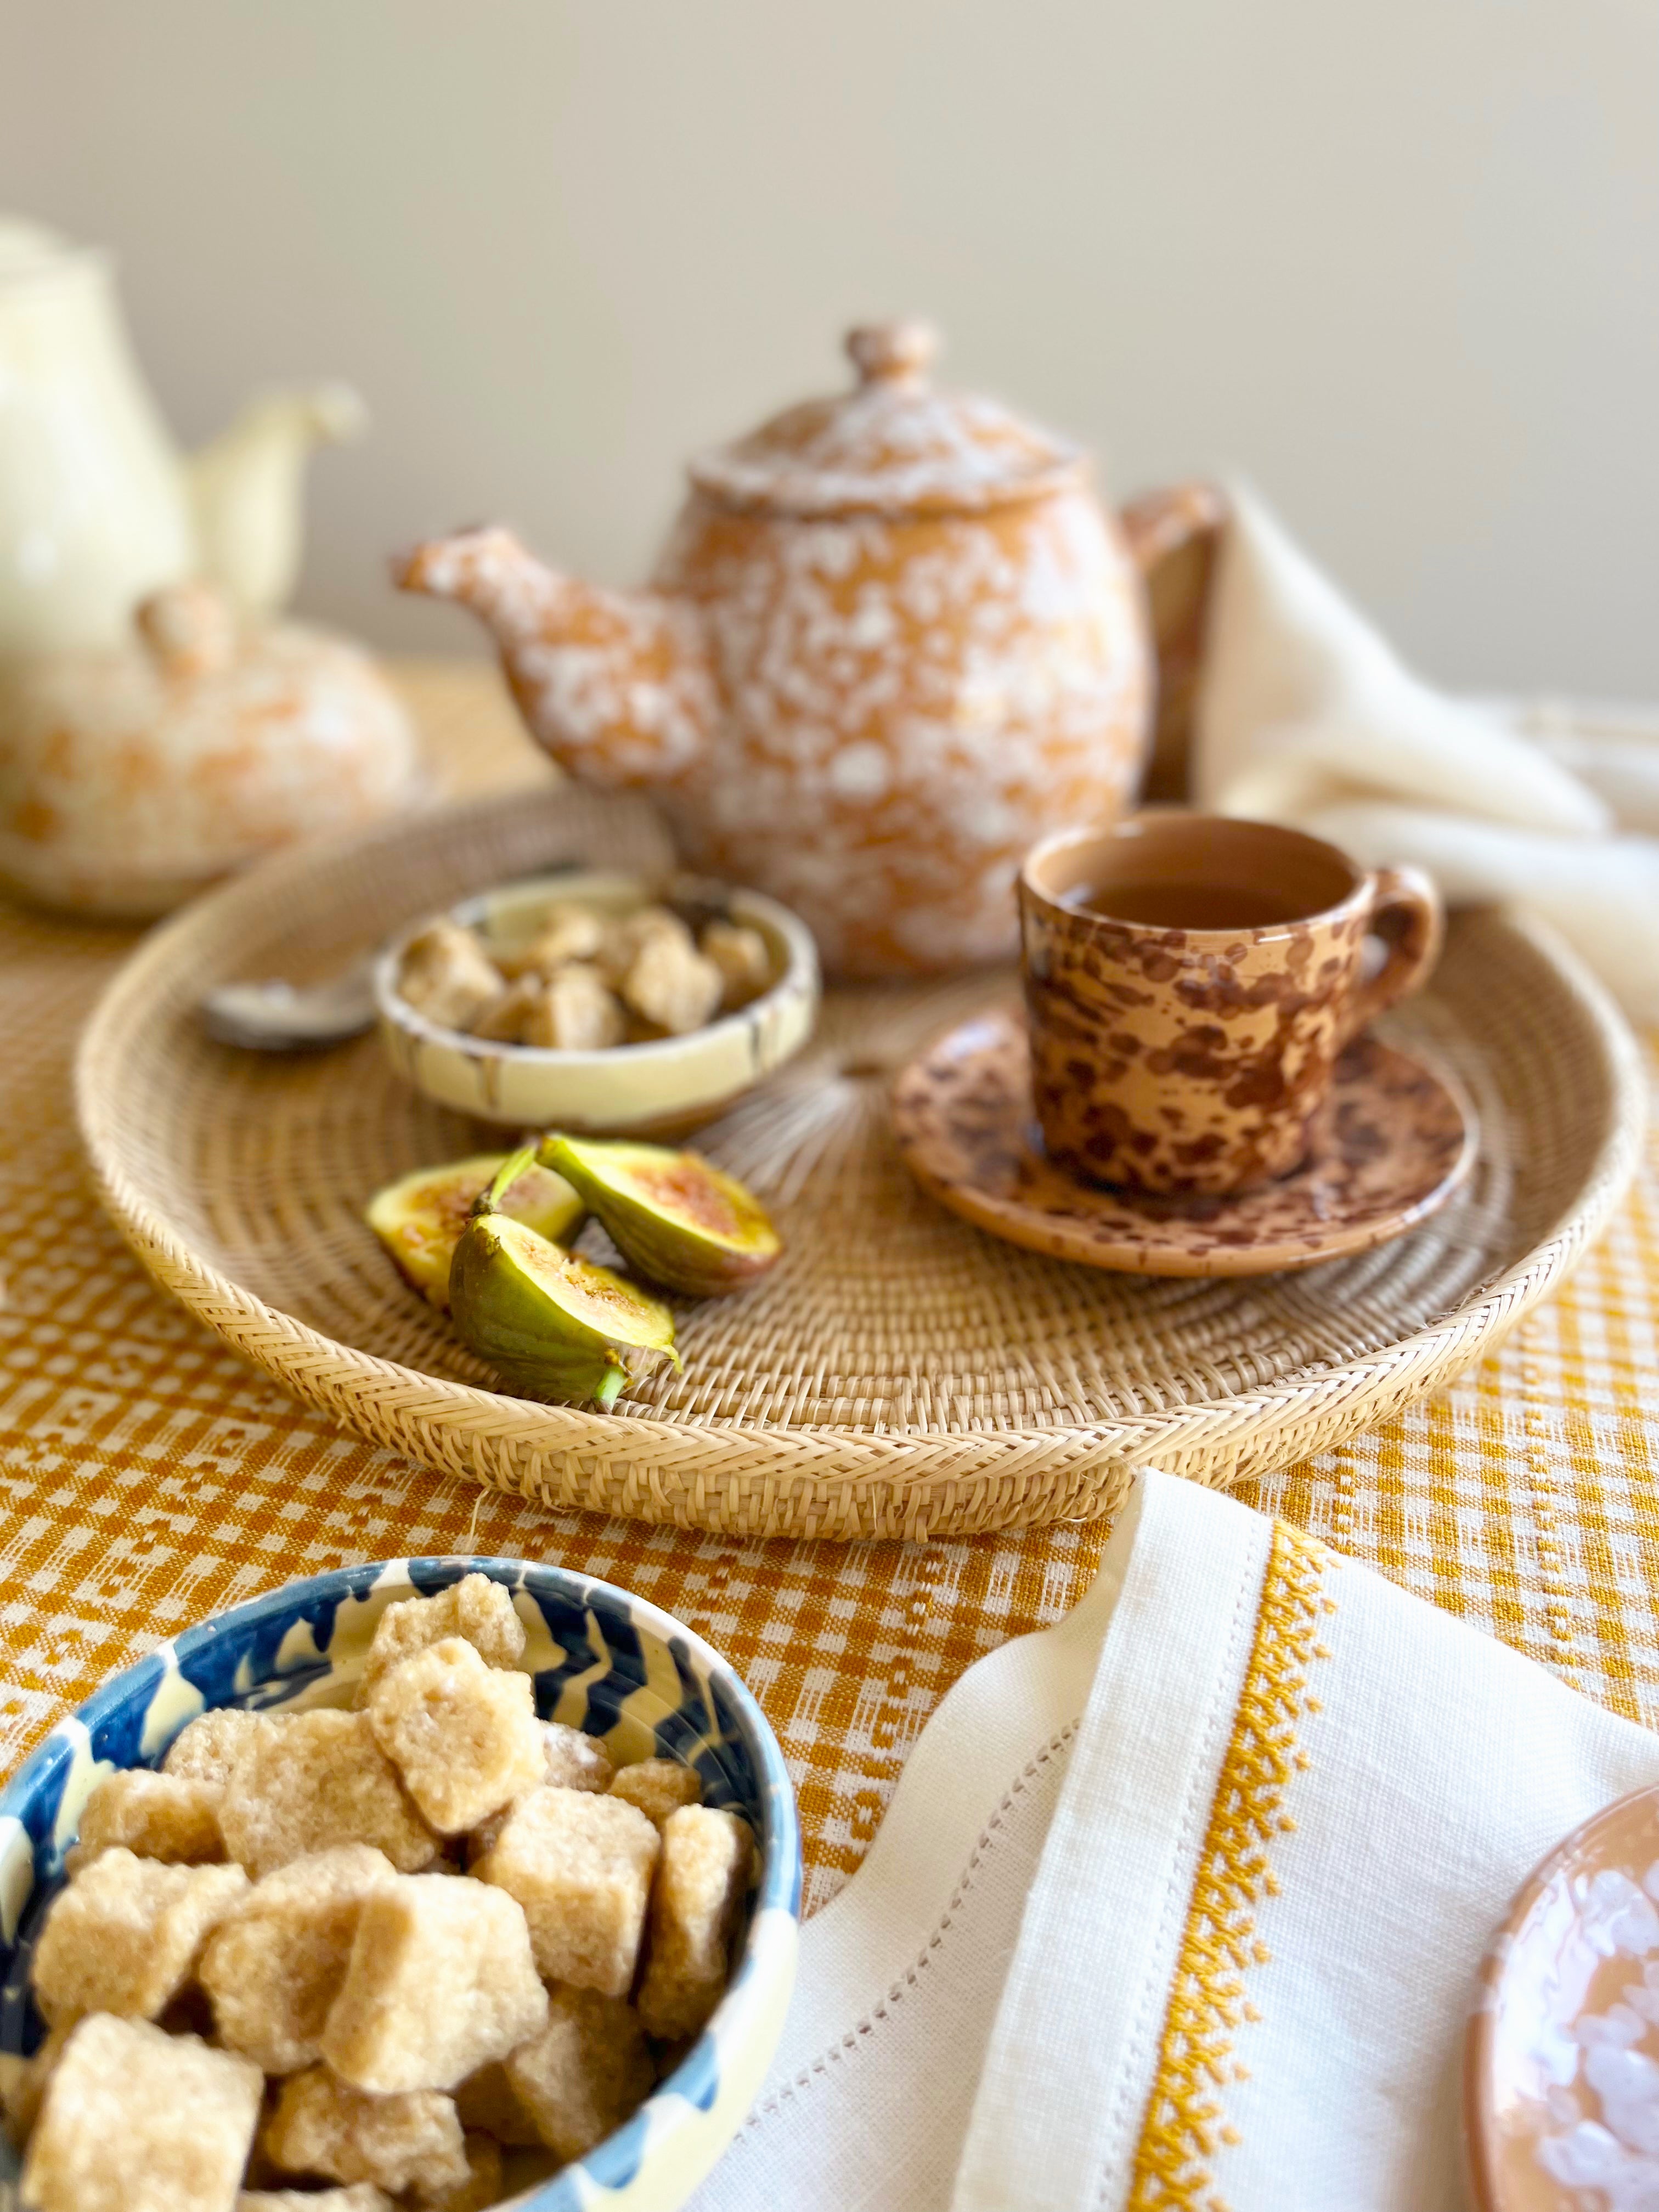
(97, 507)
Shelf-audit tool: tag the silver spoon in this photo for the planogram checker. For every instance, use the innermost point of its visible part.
(278, 1017)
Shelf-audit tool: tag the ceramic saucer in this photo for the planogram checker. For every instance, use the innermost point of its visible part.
(1391, 1146)
(1561, 2067)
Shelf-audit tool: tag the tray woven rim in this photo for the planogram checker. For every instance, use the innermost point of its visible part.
(832, 1481)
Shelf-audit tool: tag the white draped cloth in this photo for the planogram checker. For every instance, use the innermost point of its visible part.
(1305, 715)
(1180, 1902)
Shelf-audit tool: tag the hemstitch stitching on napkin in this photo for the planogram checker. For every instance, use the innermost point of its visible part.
(913, 1973)
(1247, 1606)
(1185, 2123)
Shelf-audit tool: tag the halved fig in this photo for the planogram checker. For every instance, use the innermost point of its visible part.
(419, 1218)
(679, 1220)
(556, 1326)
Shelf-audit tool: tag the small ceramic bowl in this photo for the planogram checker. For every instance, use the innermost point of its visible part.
(603, 1661)
(660, 1089)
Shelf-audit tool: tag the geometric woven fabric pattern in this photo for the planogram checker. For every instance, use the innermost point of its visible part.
(148, 1477)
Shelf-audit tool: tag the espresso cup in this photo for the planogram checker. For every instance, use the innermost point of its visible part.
(1189, 981)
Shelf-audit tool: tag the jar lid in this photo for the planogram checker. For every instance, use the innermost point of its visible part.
(893, 445)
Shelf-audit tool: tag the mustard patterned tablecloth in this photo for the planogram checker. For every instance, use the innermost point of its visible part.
(147, 1478)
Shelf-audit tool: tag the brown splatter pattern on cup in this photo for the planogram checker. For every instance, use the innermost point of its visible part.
(1194, 1060)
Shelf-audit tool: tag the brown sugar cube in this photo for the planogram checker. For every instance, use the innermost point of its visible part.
(360, 2196)
(23, 2084)
(274, 1965)
(475, 1608)
(575, 1013)
(568, 932)
(584, 2074)
(483, 2185)
(20, 2100)
(464, 1736)
(482, 1840)
(487, 2101)
(441, 1981)
(659, 1787)
(672, 985)
(700, 1882)
(447, 975)
(742, 957)
(203, 1752)
(574, 1761)
(580, 1866)
(525, 2170)
(125, 1936)
(135, 2120)
(324, 2127)
(156, 1816)
(625, 938)
(319, 1780)
(189, 2013)
(504, 1022)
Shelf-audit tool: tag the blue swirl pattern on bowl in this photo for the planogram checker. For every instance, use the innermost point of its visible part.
(603, 1661)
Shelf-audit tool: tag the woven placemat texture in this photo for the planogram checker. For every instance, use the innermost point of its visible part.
(900, 1375)
(148, 1478)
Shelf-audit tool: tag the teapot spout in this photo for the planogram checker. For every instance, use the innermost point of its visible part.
(616, 685)
(246, 489)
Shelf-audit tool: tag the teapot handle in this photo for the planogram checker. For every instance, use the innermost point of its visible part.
(1173, 535)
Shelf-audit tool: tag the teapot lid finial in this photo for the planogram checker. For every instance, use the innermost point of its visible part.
(895, 445)
(899, 352)
(188, 627)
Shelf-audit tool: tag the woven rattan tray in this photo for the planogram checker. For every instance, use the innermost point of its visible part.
(901, 1373)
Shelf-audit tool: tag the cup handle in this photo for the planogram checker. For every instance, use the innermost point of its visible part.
(1405, 913)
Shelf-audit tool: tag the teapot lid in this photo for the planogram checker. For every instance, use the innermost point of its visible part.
(893, 445)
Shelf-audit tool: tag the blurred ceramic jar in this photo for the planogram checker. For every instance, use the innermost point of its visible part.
(135, 768)
(132, 777)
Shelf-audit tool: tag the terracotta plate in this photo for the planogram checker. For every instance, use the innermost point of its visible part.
(1561, 2076)
(1392, 1144)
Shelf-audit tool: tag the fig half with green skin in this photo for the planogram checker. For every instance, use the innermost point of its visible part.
(678, 1220)
(556, 1326)
(419, 1218)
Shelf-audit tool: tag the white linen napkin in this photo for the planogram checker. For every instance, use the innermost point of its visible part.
(1181, 1902)
(1305, 715)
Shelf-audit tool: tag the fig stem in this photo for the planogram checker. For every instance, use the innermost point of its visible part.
(490, 1198)
(610, 1388)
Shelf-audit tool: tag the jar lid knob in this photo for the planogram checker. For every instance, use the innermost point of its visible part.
(893, 353)
(188, 627)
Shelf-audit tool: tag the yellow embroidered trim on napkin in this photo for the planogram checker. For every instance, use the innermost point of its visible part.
(1185, 2114)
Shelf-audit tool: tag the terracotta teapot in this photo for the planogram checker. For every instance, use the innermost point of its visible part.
(893, 641)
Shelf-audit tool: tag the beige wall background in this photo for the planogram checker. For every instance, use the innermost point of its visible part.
(1397, 259)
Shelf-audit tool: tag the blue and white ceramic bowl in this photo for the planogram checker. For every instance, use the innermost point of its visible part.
(604, 1661)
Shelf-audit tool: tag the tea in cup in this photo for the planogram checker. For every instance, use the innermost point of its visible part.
(1190, 980)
